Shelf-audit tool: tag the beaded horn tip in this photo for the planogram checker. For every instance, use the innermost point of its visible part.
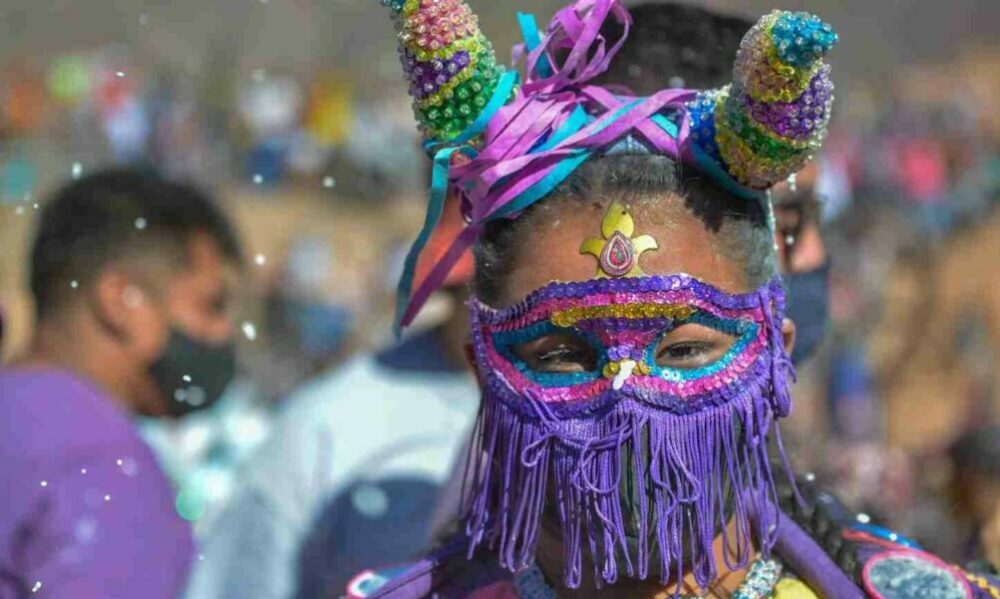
(449, 64)
(766, 125)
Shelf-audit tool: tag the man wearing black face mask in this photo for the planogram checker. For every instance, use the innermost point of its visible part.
(131, 277)
(676, 45)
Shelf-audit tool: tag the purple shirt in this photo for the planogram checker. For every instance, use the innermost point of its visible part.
(85, 510)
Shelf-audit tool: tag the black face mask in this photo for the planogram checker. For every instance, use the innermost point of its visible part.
(808, 306)
(192, 375)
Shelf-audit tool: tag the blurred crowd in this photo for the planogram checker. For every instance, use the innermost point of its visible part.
(326, 189)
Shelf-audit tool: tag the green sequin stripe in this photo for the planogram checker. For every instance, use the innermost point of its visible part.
(761, 141)
(748, 167)
(410, 7)
(467, 101)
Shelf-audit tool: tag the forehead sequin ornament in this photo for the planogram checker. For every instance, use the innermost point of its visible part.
(618, 252)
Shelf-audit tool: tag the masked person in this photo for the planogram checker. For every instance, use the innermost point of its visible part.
(354, 467)
(628, 322)
(131, 277)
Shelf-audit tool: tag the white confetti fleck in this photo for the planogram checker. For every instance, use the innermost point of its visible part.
(258, 179)
(74, 284)
(77, 170)
(83, 470)
(186, 378)
(19, 210)
(119, 461)
(140, 223)
(260, 259)
(864, 518)
(35, 205)
(37, 586)
(250, 331)
(201, 557)
(120, 74)
(329, 182)
(107, 498)
(45, 483)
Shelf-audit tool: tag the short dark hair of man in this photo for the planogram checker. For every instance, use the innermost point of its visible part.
(116, 214)
(674, 45)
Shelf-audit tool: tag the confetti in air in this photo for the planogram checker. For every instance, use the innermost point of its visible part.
(107, 498)
(74, 284)
(83, 470)
(19, 210)
(140, 223)
(45, 483)
(260, 259)
(77, 170)
(186, 378)
(250, 331)
(119, 461)
(120, 74)
(37, 586)
(329, 182)
(258, 179)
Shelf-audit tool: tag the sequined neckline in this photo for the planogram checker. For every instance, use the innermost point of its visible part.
(760, 582)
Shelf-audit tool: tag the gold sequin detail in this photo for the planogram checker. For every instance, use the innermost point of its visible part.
(983, 584)
(569, 317)
(611, 369)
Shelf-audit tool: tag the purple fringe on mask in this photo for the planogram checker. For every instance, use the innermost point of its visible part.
(683, 463)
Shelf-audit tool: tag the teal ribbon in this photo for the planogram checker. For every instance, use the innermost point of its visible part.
(435, 208)
(532, 39)
(442, 151)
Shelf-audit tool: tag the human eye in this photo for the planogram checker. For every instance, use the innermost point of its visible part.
(692, 346)
(558, 353)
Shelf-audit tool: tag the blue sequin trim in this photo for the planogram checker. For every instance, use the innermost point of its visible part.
(745, 330)
(504, 341)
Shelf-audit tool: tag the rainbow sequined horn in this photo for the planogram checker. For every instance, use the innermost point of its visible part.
(766, 125)
(449, 64)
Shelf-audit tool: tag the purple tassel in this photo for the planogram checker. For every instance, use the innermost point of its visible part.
(683, 486)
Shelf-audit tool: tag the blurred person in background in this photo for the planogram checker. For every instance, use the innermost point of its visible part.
(353, 470)
(131, 277)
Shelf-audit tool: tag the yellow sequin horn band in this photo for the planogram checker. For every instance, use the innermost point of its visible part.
(767, 124)
(449, 64)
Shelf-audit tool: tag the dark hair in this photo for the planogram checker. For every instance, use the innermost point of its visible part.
(114, 214)
(978, 451)
(741, 225)
(674, 45)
